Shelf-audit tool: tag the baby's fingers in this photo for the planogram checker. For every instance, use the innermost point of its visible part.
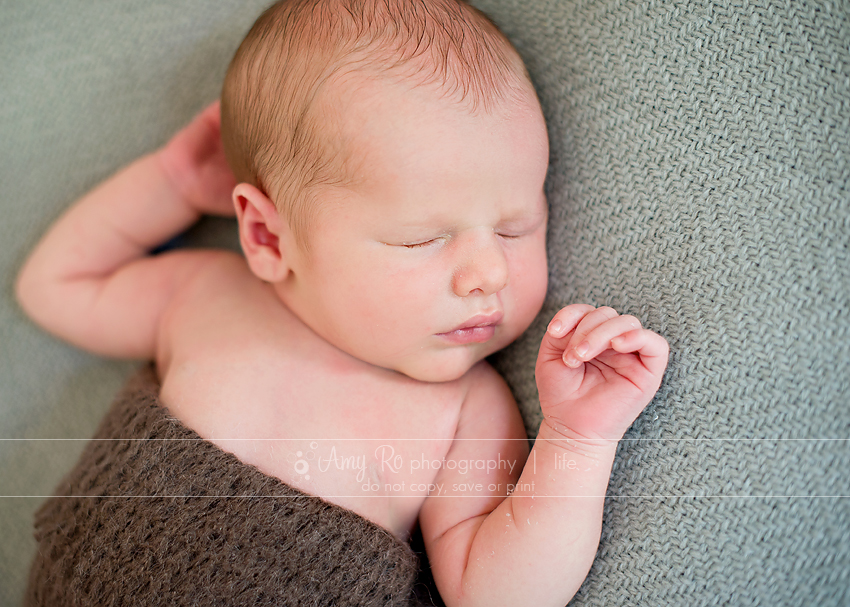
(598, 338)
(560, 328)
(652, 348)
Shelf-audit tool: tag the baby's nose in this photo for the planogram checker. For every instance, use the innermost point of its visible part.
(482, 266)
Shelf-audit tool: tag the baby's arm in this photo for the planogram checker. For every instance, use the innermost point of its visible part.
(536, 546)
(90, 280)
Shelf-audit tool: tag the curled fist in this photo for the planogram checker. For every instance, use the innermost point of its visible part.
(597, 370)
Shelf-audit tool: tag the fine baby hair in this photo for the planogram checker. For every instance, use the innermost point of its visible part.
(280, 95)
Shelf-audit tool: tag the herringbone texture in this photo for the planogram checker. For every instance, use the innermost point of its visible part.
(701, 181)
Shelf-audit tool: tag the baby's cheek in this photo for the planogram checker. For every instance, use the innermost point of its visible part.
(399, 301)
(531, 280)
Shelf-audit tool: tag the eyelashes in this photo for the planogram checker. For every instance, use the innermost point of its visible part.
(418, 245)
(425, 243)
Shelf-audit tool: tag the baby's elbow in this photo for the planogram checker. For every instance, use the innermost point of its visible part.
(33, 293)
(26, 289)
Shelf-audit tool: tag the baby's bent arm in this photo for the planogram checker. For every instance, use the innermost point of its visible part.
(596, 371)
(534, 547)
(90, 281)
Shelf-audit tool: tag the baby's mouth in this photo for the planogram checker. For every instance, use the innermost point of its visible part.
(478, 329)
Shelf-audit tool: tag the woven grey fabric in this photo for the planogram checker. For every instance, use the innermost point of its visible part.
(699, 180)
(85, 87)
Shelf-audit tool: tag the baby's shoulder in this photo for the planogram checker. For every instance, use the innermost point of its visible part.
(482, 379)
(219, 301)
(486, 395)
(224, 276)
(220, 267)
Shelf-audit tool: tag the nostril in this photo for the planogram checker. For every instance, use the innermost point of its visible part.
(484, 265)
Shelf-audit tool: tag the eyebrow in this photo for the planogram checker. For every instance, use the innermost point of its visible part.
(540, 211)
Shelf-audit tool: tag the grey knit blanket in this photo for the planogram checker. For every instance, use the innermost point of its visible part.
(700, 180)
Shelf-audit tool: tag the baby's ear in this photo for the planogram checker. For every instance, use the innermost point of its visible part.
(261, 233)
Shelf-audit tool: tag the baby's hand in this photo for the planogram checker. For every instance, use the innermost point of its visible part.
(195, 163)
(596, 371)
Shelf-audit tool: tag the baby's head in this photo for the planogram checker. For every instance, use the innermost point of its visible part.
(284, 90)
(391, 157)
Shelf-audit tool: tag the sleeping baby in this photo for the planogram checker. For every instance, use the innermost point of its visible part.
(385, 161)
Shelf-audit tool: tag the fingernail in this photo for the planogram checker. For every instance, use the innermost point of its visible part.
(571, 361)
(582, 349)
(555, 328)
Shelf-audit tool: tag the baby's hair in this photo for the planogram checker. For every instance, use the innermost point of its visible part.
(272, 138)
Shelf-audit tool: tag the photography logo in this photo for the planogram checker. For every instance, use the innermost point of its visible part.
(300, 463)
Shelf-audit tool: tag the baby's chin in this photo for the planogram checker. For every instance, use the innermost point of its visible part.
(446, 366)
(436, 376)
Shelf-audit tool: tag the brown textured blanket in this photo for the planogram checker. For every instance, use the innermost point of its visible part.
(154, 515)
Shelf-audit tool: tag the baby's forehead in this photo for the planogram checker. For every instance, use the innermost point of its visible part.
(362, 96)
(366, 115)
(406, 135)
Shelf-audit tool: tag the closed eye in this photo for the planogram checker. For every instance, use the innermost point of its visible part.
(512, 235)
(416, 245)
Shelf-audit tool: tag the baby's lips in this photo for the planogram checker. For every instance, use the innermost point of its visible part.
(480, 320)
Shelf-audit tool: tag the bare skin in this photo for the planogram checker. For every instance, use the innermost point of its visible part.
(268, 354)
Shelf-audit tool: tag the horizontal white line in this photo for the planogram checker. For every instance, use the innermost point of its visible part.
(325, 498)
(412, 439)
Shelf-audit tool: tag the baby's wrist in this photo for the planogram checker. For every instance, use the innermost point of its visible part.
(560, 436)
(175, 172)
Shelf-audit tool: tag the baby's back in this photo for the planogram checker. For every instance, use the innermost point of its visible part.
(245, 373)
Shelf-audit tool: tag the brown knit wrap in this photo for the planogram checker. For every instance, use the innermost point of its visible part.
(154, 515)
